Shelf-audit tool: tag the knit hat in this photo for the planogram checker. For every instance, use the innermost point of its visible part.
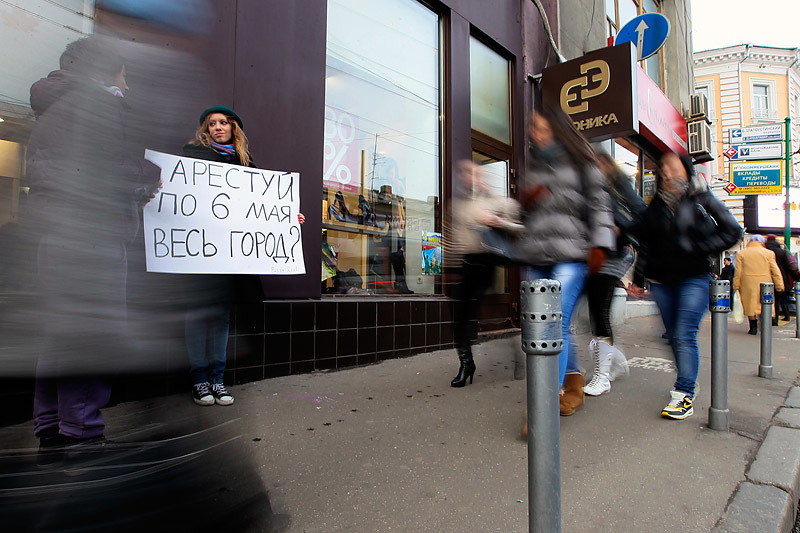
(225, 110)
(771, 237)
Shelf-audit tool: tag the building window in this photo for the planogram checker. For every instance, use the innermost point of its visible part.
(490, 111)
(381, 170)
(762, 101)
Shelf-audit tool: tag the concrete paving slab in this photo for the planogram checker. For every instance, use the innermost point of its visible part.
(793, 399)
(778, 460)
(787, 417)
(761, 508)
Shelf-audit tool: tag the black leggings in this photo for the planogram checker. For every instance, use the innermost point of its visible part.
(600, 291)
(477, 275)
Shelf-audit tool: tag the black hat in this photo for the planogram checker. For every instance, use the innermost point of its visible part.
(225, 110)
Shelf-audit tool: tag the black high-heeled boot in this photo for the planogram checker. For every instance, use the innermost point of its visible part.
(753, 327)
(466, 369)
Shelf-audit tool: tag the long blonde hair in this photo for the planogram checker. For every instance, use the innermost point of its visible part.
(202, 138)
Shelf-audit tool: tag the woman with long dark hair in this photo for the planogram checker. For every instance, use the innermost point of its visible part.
(567, 213)
(219, 138)
(684, 225)
(607, 359)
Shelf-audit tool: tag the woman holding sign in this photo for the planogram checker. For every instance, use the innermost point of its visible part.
(219, 138)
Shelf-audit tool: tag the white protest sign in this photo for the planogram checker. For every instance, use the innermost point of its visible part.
(215, 218)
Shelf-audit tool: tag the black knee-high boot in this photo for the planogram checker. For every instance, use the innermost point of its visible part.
(466, 367)
(753, 327)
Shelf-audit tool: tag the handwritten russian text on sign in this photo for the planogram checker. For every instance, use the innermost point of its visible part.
(757, 177)
(215, 218)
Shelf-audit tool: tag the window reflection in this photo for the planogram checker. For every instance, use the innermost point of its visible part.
(381, 158)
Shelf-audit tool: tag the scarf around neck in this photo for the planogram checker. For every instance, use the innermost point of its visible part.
(224, 149)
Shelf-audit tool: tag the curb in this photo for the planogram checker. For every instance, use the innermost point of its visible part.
(767, 500)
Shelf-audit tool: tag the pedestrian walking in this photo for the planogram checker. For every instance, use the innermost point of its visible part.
(219, 138)
(86, 189)
(570, 226)
(476, 209)
(755, 265)
(684, 225)
(628, 207)
(789, 273)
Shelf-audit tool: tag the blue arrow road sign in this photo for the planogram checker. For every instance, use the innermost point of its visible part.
(648, 32)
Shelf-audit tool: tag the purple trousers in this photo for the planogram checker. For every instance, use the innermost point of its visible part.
(84, 314)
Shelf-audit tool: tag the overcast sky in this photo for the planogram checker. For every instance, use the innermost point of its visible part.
(718, 23)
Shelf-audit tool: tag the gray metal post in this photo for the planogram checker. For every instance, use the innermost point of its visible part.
(542, 342)
(719, 303)
(767, 299)
(797, 309)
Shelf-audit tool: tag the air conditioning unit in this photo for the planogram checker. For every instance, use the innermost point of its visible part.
(700, 147)
(699, 107)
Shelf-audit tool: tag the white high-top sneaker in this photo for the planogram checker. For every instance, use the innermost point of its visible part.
(619, 364)
(601, 352)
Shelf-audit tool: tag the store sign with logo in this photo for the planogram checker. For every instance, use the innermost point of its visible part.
(597, 91)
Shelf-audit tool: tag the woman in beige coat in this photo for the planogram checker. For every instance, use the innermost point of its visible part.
(755, 265)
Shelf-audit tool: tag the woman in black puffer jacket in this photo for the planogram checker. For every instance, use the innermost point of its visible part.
(683, 226)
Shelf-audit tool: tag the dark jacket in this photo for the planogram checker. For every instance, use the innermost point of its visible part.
(676, 246)
(198, 151)
(209, 290)
(628, 208)
(85, 180)
(47, 91)
(788, 270)
(727, 273)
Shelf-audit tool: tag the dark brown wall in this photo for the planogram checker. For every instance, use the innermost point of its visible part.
(279, 89)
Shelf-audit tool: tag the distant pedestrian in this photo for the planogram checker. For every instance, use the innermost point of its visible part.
(789, 273)
(683, 226)
(628, 207)
(219, 138)
(755, 265)
(570, 227)
(728, 271)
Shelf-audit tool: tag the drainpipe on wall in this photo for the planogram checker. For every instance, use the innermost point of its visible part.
(546, 24)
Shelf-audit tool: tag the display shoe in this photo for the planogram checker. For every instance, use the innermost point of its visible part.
(370, 218)
(573, 397)
(601, 352)
(619, 364)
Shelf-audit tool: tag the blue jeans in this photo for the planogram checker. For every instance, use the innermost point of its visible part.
(206, 342)
(682, 306)
(572, 277)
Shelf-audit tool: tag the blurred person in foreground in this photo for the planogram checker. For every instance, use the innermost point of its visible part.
(475, 210)
(684, 225)
(608, 360)
(219, 138)
(86, 189)
(756, 265)
(789, 273)
(570, 227)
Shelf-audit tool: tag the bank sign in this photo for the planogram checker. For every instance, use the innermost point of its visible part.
(757, 177)
(596, 91)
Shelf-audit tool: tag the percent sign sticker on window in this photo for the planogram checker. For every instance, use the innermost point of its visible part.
(341, 154)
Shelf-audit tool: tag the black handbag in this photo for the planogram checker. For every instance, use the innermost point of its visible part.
(502, 245)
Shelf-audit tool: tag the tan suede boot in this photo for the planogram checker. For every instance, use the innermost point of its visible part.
(525, 425)
(573, 396)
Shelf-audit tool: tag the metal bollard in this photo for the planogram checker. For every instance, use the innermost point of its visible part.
(542, 342)
(797, 309)
(767, 299)
(719, 303)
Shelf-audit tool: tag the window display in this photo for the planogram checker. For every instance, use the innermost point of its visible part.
(381, 170)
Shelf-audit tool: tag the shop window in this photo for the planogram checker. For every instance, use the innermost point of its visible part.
(490, 110)
(381, 170)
